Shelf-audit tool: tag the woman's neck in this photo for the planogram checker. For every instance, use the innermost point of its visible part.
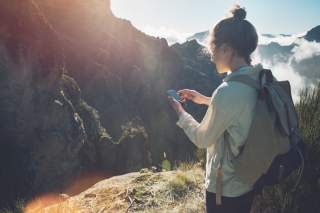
(238, 64)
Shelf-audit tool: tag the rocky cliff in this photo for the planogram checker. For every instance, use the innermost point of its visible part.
(83, 91)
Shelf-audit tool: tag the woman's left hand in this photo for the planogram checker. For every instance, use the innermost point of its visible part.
(176, 105)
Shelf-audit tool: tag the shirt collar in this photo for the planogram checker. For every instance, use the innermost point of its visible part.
(243, 70)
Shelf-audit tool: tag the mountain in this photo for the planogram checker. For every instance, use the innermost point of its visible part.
(275, 52)
(200, 37)
(284, 52)
(313, 34)
(83, 91)
(83, 94)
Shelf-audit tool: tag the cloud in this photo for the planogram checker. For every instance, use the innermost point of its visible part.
(281, 70)
(171, 35)
(284, 70)
(283, 40)
(305, 49)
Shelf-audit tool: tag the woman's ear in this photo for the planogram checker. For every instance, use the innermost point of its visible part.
(223, 48)
(227, 49)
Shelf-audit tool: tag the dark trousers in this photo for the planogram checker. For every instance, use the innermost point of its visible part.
(241, 204)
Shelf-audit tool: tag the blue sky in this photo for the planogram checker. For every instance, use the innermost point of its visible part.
(190, 16)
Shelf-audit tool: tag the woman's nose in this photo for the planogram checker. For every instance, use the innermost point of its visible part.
(212, 57)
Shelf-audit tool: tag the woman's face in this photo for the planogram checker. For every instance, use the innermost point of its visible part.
(222, 56)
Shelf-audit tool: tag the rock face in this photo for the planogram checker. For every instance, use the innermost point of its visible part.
(313, 34)
(82, 91)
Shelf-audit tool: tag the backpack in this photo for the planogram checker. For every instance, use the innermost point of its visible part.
(274, 147)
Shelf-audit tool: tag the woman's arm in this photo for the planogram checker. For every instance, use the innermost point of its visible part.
(215, 122)
(194, 96)
(206, 100)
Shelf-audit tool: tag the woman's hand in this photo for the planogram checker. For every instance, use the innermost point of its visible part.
(193, 95)
(176, 105)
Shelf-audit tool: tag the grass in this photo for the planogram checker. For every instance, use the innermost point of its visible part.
(180, 184)
(169, 191)
(18, 207)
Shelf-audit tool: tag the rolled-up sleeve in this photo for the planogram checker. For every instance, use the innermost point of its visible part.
(214, 123)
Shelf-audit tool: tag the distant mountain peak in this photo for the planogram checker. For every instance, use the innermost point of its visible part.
(200, 37)
(313, 34)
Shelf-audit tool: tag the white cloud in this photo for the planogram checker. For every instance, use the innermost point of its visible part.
(305, 49)
(171, 35)
(283, 40)
(284, 70)
(281, 70)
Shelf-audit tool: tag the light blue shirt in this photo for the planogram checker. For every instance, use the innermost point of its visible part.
(231, 109)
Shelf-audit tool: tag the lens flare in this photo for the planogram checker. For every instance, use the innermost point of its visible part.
(53, 200)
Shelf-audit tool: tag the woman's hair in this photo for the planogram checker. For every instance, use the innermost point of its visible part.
(236, 32)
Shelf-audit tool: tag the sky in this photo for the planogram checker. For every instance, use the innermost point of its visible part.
(191, 16)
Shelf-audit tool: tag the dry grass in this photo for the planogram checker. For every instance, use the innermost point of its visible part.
(169, 191)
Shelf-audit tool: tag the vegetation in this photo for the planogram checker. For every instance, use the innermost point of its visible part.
(181, 189)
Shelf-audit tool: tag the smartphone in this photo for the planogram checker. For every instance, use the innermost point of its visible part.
(173, 93)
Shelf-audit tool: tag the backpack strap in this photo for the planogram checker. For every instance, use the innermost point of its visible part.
(265, 77)
(246, 80)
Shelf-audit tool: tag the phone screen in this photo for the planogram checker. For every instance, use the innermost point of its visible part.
(174, 94)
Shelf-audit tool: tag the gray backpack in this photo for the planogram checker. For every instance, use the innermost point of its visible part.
(274, 147)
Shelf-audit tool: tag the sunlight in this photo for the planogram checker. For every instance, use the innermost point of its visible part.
(76, 186)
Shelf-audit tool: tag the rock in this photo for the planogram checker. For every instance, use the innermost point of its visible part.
(155, 169)
(144, 170)
(90, 195)
(313, 34)
(83, 91)
(172, 191)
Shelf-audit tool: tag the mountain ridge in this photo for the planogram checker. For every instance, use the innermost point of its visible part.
(84, 91)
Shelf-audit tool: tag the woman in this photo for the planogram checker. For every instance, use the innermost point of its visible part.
(229, 113)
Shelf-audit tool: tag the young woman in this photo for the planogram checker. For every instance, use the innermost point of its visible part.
(229, 113)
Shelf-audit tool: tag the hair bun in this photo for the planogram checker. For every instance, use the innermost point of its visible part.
(238, 12)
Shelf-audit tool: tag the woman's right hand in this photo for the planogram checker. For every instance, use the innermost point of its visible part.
(193, 95)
